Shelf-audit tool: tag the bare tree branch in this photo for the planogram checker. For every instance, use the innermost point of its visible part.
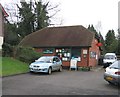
(54, 14)
(53, 7)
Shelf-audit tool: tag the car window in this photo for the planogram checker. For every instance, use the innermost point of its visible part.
(54, 59)
(115, 65)
(109, 57)
(45, 59)
(57, 59)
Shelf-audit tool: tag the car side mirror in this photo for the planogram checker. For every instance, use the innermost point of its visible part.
(54, 61)
(36, 60)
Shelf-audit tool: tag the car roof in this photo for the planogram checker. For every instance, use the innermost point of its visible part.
(110, 54)
(49, 56)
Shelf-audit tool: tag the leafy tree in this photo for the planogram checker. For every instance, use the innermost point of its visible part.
(11, 38)
(10, 34)
(26, 16)
(42, 18)
(92, 29)
(101, 39)
(34, 16)
(30, 16)
(111, 41)
(118, 38)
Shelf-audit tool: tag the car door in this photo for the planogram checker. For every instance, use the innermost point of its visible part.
(54, 66)
(58, 62)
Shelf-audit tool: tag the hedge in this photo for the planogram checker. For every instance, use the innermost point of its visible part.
(26, 54)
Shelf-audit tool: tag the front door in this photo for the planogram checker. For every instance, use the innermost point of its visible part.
(85, 57)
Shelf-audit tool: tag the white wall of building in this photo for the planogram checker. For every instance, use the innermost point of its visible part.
(1, 42)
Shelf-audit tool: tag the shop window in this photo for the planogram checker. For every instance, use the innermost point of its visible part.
(48, 51)
(76, 54)
(63, 53)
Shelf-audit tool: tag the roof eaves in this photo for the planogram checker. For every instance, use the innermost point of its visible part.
(61, 46)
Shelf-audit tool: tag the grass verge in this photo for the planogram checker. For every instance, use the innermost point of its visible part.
(12, 66)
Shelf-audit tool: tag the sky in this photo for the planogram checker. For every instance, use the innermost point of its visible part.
(103, 14)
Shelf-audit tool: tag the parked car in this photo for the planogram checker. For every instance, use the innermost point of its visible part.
(109, 58)
(112, 73)
(46, 64)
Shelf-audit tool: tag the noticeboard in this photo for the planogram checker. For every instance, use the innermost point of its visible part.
(73, 63)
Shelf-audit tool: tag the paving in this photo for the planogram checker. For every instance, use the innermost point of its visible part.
(97, 68)
(59, 83)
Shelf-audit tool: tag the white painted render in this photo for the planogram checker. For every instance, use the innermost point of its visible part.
(1, 42)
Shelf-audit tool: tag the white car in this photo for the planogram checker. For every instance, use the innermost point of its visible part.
(46, 64)
(112, 73)
(109, 58)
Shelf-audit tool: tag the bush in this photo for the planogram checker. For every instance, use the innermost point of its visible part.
(84, 68)
(26, 54)
(7, 50)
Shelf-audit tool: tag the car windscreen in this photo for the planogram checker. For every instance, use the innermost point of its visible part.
(45, 59)
(109, 57)
(115, 65)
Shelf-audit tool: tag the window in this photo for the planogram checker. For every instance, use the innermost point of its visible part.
(76, 53)
(92, 54)
(63, 53)
(57, 60)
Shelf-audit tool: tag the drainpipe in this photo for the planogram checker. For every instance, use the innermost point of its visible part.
(88, 58)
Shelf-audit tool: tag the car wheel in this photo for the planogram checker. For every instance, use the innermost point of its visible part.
(60, 69)
(110, 83)
(49, 70)
(31, 72)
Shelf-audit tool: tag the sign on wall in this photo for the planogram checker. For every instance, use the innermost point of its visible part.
(93, 54)
(1, 42)
(84, 51)
(48, 51)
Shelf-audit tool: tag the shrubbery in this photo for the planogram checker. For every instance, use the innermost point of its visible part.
(26, 54)
(7, 50)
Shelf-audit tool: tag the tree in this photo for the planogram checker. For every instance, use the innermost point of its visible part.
(42, 18)
(118, 38)
(31, 16)
(10, 34)
(111, 41)
(26, 16)
(101, 39)
(25, 19)
(11, 39)
(92, 29)
(34, 16)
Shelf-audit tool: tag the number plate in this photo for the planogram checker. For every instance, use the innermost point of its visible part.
(35, 69)
(109, 78)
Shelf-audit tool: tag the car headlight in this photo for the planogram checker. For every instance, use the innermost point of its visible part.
(45, 69)
(30, 66)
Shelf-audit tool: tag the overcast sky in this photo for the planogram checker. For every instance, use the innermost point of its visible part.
(103, 14)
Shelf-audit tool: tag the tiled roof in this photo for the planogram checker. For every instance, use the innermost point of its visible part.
(64, 36)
